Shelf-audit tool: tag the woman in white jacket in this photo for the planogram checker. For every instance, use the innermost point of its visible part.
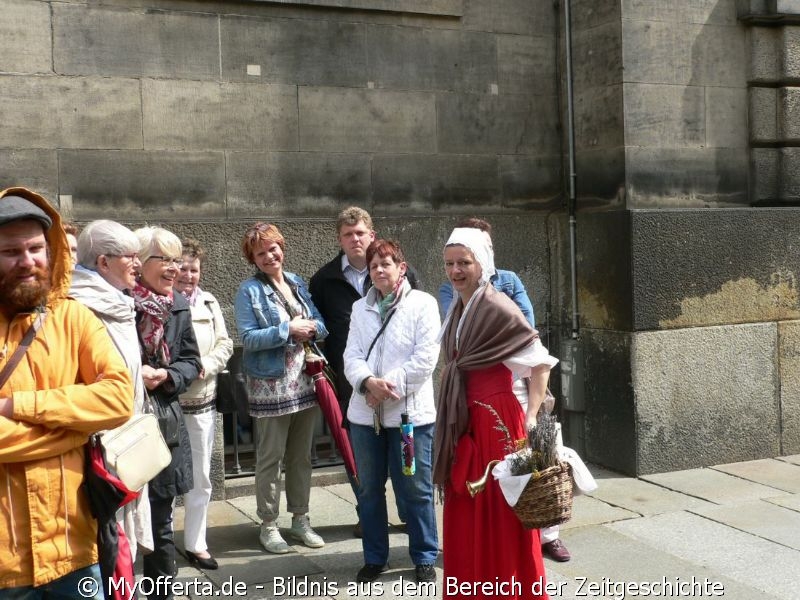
(198, 402)
(106, 269)
(389, 360)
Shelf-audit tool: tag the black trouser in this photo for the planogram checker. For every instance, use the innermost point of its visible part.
(161, 561)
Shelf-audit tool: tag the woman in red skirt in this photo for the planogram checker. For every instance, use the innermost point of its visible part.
(485, 340)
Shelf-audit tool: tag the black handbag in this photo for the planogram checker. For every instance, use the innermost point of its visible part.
(232, 394)
(169, 421)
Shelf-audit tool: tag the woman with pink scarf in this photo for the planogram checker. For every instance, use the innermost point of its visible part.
(170, 362)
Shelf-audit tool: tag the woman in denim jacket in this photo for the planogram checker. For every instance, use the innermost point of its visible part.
(276, 319)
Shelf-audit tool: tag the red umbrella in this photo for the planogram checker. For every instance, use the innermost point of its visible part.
(329, 403)
(106, 494)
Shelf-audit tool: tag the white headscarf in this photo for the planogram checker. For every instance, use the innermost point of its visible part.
(476, 242)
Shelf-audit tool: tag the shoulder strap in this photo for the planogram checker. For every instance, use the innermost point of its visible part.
(380, 331)
(279, 294)
(22, 348)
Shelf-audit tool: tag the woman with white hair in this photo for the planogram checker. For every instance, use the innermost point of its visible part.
(107, 255)
(170, 362)
(485, 339)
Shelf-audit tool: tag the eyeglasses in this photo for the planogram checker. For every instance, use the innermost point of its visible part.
(167, 260)
(131, 257)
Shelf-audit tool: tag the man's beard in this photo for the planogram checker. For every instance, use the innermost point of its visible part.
(16, 297)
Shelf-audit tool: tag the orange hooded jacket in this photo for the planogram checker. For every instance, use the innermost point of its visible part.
(70, 383)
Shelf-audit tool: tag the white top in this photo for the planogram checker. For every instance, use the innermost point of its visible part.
(215, 347)
(354, 277)
(405, 354)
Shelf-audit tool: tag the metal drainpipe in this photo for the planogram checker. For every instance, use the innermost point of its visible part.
(572, 382)
(572, 173)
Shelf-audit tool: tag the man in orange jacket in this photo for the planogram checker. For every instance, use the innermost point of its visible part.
(70, 383)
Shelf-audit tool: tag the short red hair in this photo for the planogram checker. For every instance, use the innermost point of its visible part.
(384, 248)
(258, 233)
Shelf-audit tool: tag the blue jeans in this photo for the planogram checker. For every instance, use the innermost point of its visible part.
(377, 458)
(401, 509)
(83, 583)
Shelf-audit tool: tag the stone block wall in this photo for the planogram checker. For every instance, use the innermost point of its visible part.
(687, 295)
(277, 109)
(774, 100)
(202, 112)
(690, 351)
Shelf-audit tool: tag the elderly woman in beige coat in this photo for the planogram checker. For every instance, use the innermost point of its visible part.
(107, 264)
(198, 402)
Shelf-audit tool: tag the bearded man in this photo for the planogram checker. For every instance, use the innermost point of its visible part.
(70, 383)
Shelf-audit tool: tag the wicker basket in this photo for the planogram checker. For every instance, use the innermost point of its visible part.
(547, 498)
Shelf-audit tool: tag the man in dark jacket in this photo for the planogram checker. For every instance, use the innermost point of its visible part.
(338, 284)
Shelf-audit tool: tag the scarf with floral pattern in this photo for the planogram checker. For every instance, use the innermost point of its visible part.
(152, 310)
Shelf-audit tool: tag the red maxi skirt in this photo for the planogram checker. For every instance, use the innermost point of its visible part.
(487, 551)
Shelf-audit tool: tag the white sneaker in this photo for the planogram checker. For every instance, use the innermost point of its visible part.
(270, 538)
(301, 531)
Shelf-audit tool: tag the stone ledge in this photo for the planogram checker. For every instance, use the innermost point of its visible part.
(768, 12)
(448, 8)
(237, 487)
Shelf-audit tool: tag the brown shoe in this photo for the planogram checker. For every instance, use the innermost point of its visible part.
(556, 550)
(357, 530)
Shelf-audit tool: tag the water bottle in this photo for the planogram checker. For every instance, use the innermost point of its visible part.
(407, 445)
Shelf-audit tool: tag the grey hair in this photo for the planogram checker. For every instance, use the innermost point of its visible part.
(156, 241)
(104, 238)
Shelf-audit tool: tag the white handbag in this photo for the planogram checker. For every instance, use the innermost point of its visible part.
(136, 450)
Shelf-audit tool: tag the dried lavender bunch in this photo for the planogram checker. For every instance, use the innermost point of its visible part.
(542, 442)
(522, 462)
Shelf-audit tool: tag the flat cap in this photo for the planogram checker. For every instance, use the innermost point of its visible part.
(16, 208)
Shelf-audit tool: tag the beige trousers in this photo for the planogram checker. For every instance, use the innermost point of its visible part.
(284, 439)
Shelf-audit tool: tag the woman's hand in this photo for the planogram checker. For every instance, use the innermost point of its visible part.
(302, 329)
(153, 377)
(530, 422)
(380, 390)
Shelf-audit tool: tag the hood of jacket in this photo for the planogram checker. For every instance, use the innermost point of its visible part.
(58, 247)
(90, 289)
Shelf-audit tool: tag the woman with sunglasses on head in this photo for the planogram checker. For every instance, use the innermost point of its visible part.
(170, 362)
(108, 260)
(276, 320)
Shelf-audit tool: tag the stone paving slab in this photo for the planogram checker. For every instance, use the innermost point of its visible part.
(791, 502)
(739, 533)
(605, 554)
(587, 510)
(774, 473)
(794, 459)
(643, 497)
(761, 518)
(727, 552)
(712, 485)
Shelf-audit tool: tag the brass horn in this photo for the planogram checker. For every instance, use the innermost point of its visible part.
(473, 487)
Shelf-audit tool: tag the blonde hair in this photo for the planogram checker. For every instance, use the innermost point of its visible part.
(351, 216)
(157, 241)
